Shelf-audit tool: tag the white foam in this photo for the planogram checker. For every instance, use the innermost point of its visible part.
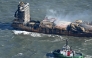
(87, 40)
(17, 32)
(34, 34)
(20, 54)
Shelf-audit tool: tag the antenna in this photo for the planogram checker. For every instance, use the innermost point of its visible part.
(66, 42)
(70, 47)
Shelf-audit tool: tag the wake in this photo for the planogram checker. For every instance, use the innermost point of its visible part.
(17, 32)
(34, 34)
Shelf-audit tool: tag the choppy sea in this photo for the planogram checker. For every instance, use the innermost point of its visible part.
(22, 44)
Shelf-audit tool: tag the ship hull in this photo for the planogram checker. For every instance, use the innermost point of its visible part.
(58, 55)
(20, 26)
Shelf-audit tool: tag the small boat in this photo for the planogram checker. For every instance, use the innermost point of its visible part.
(67, 52)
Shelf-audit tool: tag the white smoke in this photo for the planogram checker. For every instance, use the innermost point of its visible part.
(71, 16)
(57, 19)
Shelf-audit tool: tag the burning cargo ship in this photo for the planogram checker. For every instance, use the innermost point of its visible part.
(24, 22)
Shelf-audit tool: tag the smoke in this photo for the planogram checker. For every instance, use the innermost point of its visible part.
(70, 16)
(63, 19)
(58, 19)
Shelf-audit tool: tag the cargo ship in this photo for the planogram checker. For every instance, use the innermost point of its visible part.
(67, 52)
(48, 25)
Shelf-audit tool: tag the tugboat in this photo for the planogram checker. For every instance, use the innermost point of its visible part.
(66, 52)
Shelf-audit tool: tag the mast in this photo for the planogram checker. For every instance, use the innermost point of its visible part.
(67, 46)
(66, 42)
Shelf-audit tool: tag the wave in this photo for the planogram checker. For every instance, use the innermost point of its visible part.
(87, 40)
(34, 34)
(17, 32)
